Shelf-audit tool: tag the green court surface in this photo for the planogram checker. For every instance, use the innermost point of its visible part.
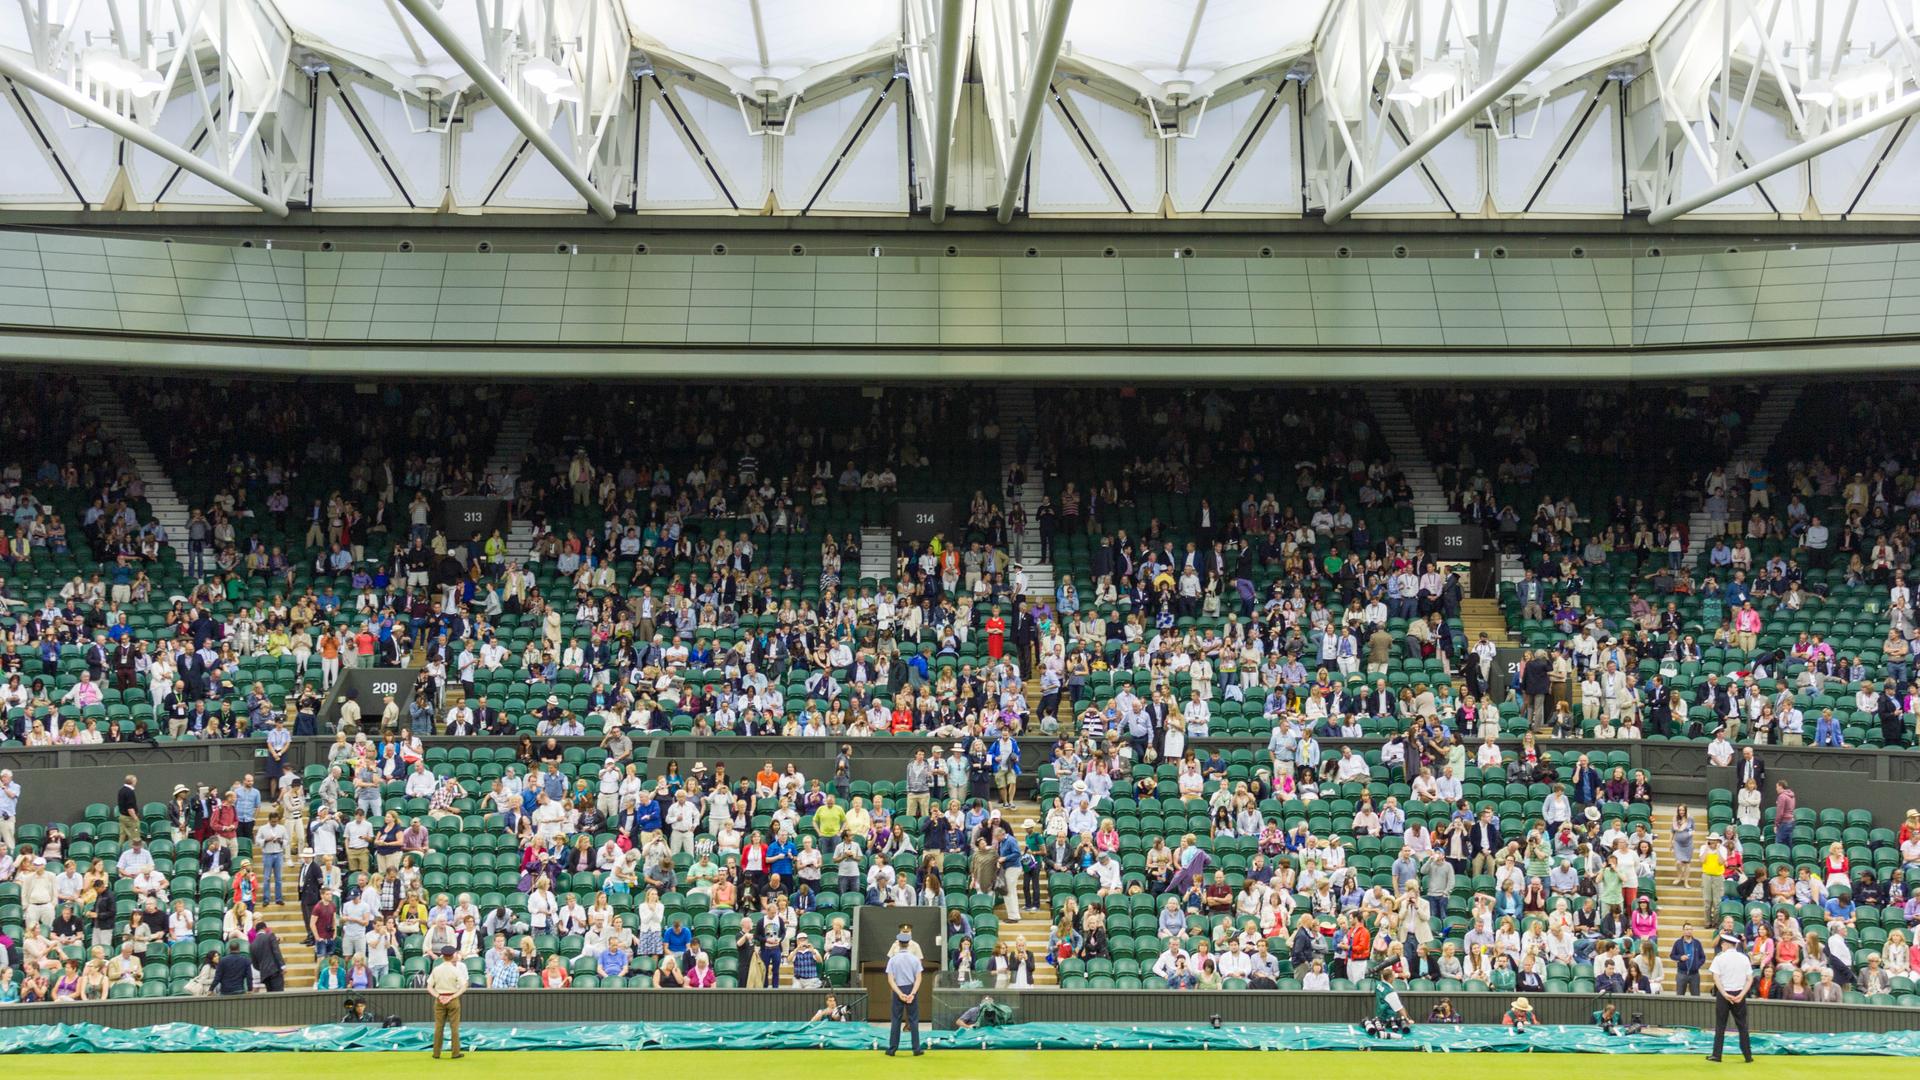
(946, 1065)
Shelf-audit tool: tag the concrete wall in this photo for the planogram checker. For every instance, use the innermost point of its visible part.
(56, 784)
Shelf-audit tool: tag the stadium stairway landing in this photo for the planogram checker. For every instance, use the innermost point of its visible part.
(1482, 614)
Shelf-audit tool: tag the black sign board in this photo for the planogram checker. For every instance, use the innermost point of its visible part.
(1454, 543)
(463, 515)
(918, 521)
(369, 687)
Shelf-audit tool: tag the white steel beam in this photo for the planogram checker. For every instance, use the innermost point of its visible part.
(1460, 115)
(428, 16)
(58, 92)
(1787, 159)
(1046, 55)
(947, 73)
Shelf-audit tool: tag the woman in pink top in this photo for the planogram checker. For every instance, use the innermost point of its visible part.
(700, 975)
(1644, 923)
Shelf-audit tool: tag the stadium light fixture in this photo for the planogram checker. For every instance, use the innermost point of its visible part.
(550, 80)
(109, 67)
(1431, 81)
(1863, 81)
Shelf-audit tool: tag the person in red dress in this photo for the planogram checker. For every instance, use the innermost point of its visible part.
(996, 634)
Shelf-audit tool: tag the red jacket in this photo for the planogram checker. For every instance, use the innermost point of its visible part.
(224, 822)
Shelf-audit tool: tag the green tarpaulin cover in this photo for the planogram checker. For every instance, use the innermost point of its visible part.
(180, 1038)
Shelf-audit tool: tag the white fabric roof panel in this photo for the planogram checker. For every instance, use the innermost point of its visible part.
(788, 58)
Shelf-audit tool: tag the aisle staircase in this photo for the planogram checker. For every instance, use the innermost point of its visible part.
(1768, 420)
(169, 509)
(303, 969)
(1678, 904)
(1018, 416)
(1033, 924)
(509, 454)
(1403, 441)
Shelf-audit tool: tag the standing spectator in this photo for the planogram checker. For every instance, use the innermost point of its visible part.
(9, 806)
(267, 961)
(128, 801)
(234, 973)
(1688, 958)
(271, 841)
(919, 785)
(806, 964)
(1785, 802)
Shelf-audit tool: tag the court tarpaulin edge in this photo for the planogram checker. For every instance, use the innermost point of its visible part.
(1430, 1038)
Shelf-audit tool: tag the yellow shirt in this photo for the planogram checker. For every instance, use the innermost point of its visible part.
(1711, 863)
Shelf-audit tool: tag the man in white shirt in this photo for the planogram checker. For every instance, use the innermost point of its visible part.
(1488, 756)
(1169, 960)
(67, 884)
(421, 781)
(359, 836)
(1732, 979)
(135, 860)
(683, 820)
(1234, 963)
(1720, 751)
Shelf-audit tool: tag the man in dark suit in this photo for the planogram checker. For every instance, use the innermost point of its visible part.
(1158, 713)
(1380, 700)
(1536, 678)
(234, 973)
(125, 663)
(193, 673)
(1749, 766)
(96, 657)
(266, 958)
(1025, 635)
(1484, 842)
(313, 884)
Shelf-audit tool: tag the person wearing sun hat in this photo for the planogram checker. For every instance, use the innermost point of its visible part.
(1520, 1015)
